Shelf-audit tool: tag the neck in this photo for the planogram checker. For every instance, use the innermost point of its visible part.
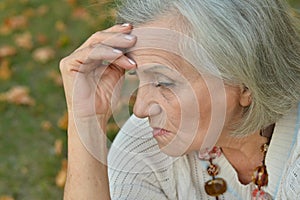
(244, 154)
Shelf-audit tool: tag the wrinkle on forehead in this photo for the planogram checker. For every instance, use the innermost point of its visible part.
(156, 38)
(160, 58)
(160, 45)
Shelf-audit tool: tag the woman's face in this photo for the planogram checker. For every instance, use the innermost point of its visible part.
(178, 102)
(188, 111)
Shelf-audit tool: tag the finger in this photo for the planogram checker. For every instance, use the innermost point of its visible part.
(117, 40)
(125, 63)
(120, 41)
(103, 52)
(117, 59)
(96, 57)
(88, 58)
(120, 28)
(99, 36)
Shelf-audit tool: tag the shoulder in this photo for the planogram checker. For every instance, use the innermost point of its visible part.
(133, 143)
(288, 154)
(136, 166)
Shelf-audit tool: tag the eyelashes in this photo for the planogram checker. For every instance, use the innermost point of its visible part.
(163, 84)
(157, 83)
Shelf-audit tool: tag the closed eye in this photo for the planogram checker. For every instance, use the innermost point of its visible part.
(163, 84)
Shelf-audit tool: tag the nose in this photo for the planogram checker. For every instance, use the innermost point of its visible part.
(146, 104)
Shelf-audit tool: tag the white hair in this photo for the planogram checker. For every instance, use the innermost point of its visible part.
(252, 43)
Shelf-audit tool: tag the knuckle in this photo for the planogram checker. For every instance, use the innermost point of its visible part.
(96, 34)
(96, 37)
(64, 64)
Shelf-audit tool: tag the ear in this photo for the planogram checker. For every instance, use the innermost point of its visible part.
(245, 97)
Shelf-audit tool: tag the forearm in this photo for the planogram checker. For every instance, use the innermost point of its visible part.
(87, 176)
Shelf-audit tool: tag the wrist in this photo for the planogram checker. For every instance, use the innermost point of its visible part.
(91, 134)
(100, 120)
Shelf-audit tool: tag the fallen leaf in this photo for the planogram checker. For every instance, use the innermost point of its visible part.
(63, 122)
(80, 13)
(42, 38)
(29, 12)
(58, 146)
(55, 77)
(6, 198)
(42, 10)
(43, 54)
(5, 30)
(24, 40)
(72, 2)
(18, 95)
(5, 71)
(61, 177)
(60, 26)
(16, 22)
(7, 50)
(46, 125)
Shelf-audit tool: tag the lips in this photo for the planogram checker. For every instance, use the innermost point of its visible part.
(159, 132)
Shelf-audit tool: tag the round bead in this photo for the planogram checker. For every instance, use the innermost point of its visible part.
(213, 170)
(215, 152)
(209, 154)
(264, 148)
(260, 176)
(260, 195)
(215, 187)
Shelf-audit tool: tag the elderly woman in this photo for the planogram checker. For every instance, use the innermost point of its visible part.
(216, 114)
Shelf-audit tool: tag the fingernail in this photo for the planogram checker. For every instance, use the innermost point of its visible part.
(125, 25)
(129, 37)
(131, 61)
(117, 51)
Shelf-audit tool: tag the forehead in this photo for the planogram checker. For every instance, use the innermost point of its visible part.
(162, 46)
(158, 38)
(146, 58)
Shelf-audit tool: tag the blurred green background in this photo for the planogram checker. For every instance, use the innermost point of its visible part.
(34, 36)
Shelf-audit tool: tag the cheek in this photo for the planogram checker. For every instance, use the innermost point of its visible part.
(188, 104)
(204, 105)
(181, 108)
(172, 104)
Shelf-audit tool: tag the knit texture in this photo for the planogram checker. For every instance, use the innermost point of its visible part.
(138, 170)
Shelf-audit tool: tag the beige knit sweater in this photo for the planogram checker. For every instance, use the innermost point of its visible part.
(138, 170)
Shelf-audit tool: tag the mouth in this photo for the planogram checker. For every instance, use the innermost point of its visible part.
(160, 132)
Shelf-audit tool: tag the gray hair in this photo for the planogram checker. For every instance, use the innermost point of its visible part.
(252, 43)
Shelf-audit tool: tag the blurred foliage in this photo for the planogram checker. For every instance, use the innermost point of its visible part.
(34, 36)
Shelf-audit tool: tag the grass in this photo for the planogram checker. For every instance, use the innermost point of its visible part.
(28, 160)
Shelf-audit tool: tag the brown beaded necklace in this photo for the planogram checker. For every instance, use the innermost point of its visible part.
(217, 186)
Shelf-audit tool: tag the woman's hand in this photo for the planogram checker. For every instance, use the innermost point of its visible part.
(92, 77)
(93, 73)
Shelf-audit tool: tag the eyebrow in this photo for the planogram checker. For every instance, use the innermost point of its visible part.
(157, 68)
